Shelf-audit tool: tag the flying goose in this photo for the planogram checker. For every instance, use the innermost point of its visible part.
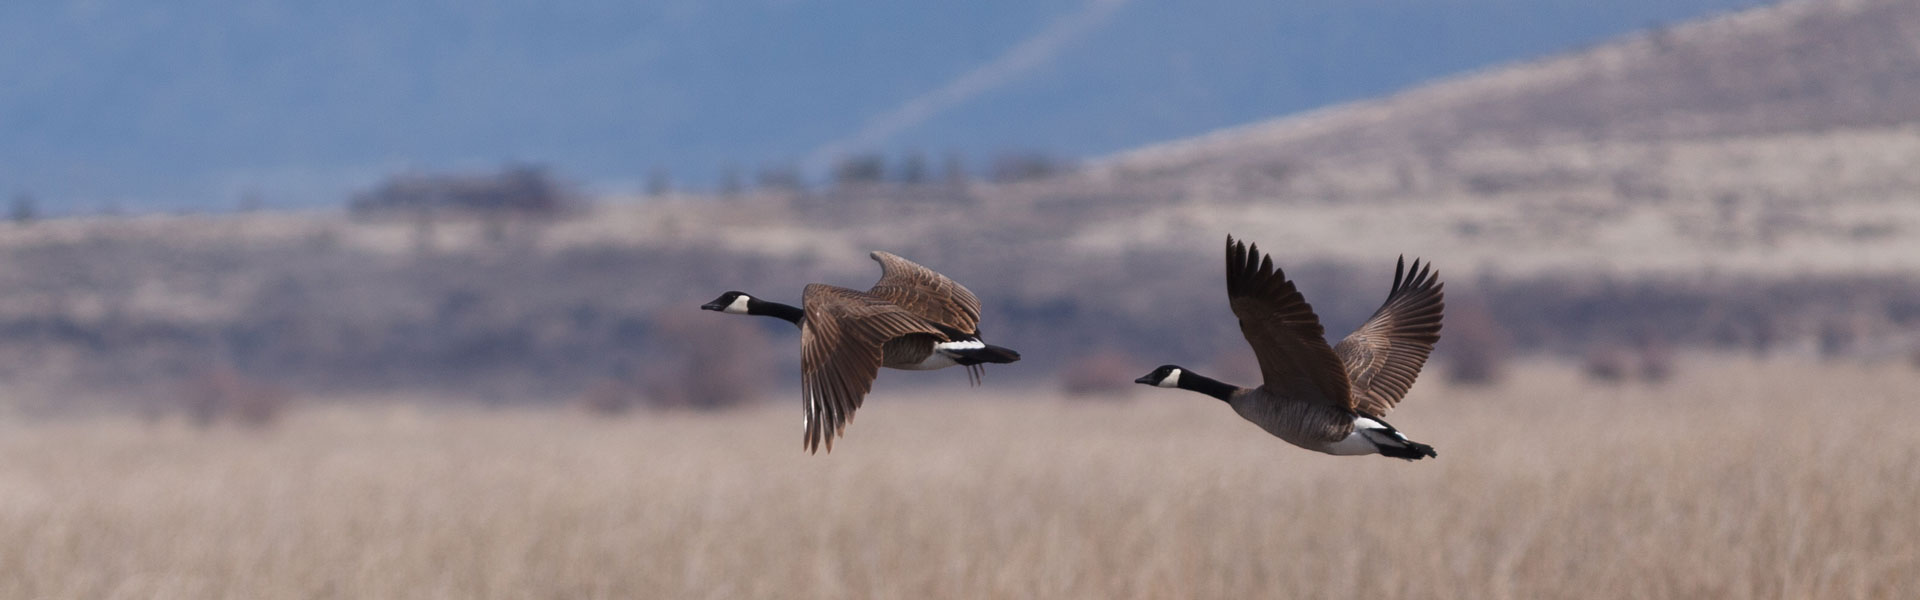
(913, 319)
(1323, 399)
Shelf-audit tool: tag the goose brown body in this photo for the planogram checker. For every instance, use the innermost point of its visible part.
(1325, 398)
(913, 318)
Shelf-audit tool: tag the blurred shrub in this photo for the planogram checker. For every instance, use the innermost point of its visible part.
(1657, 361)
(731, 184)
(23, 211)
(1474, 344)
(1650, 362)
(1024, 166)
(1838, 338)
(780, 178)
(517, 190)
(659, 182)
(224, 395)
(859, 169)
(1102, 374)
(1607, 364)
(913, 169)
(610, 397)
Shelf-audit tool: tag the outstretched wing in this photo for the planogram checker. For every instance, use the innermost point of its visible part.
(1286, 336)
(840, 353)
(1385, 354)
(924, 292)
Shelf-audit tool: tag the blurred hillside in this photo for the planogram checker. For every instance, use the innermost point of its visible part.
(1779, 139)
(1792, 68)
(1743, 184)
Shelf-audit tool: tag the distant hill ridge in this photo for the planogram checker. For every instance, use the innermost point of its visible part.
(1804, 65)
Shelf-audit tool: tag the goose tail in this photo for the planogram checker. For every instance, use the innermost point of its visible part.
(1392, 443)
(1408, 449)
(974, 353)
(988, 353)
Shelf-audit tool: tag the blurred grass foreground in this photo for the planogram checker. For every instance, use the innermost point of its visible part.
(1735, 479)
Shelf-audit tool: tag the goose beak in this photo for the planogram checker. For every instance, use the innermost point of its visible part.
(715, 305)
(1148, 379)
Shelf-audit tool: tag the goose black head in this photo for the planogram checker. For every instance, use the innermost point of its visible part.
(1166, 376)
(730, 302)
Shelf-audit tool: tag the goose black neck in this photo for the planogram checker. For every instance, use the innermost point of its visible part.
(1196, 382)
(790, 314)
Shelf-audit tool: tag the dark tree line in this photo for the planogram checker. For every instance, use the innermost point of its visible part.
(515, 189)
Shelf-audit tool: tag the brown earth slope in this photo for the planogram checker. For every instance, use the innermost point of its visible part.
(1796, 67)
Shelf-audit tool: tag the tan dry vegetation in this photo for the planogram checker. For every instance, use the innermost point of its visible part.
(1826, 203)
(1736, 480)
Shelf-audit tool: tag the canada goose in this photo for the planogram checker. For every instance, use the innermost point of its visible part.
(1323, 399)
(913, 319)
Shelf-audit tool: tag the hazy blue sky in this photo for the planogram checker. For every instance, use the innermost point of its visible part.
(149, 105)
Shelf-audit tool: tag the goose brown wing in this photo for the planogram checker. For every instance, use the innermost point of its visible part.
(1385, 354)
(840, 353)
(927, 293)
(1286, 336)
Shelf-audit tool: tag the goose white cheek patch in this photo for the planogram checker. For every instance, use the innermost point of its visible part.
(1172, 380)
(739, 306)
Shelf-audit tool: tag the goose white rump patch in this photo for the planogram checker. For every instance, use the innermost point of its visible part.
(939, 357)
(960, 345)
(1359, 442)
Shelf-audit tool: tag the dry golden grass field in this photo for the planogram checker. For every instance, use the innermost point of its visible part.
(1735, 480)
